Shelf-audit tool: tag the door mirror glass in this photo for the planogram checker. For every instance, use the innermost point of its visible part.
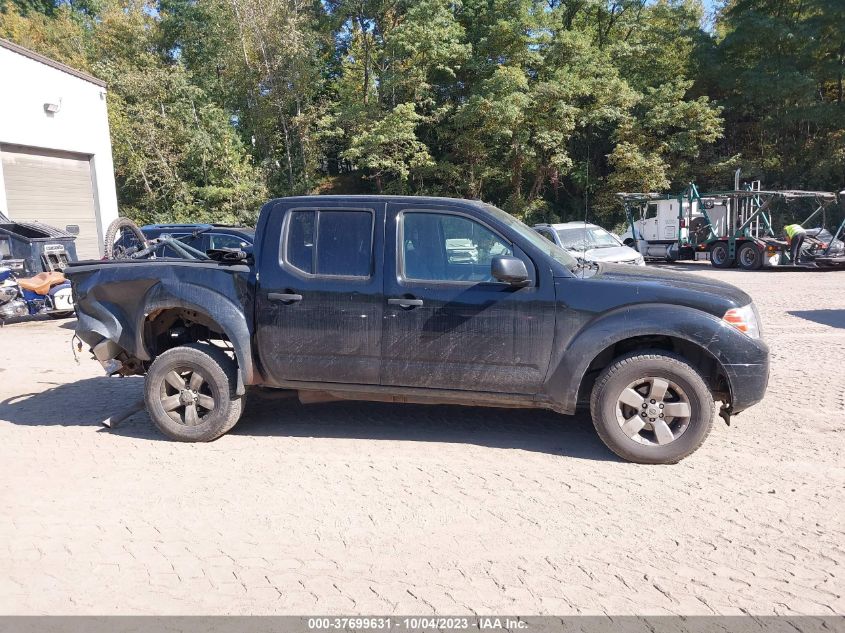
(509, 270)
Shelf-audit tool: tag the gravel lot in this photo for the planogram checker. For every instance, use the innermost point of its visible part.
(372, 508)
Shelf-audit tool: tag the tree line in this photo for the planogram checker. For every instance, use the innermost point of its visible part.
(545, 108)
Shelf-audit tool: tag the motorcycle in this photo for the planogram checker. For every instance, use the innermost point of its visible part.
(46, 293)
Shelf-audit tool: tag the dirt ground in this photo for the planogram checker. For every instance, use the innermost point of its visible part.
(372, 508)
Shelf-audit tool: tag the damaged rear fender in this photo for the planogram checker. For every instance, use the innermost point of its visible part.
(227, 314)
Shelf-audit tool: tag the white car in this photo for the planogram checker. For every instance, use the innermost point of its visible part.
(589, 242)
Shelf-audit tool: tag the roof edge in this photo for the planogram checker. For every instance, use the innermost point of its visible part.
(38, 57)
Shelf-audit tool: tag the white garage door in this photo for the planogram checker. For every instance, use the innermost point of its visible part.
(54, 188)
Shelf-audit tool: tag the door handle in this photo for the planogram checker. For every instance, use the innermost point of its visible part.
(405, 303)
(284, 297)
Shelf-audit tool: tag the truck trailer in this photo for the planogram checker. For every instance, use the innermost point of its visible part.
(728, 228)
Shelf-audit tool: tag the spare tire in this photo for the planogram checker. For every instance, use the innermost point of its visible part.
(698, 230)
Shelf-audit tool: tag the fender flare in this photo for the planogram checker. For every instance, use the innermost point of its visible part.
(229, 316)
(691, 325)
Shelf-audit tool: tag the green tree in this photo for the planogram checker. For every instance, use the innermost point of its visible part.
(390, 147)
(545, 107)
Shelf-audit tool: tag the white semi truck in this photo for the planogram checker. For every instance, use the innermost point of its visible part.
(729, 228)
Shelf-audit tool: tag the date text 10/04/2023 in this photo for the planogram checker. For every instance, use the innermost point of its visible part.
(416, 623)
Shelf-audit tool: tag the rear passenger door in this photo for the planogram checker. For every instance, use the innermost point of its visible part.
(319, 300)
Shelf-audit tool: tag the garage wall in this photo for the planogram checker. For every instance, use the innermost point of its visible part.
(78, 129)
(54, 188)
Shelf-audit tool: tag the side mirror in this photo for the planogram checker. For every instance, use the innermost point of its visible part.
(509, 270)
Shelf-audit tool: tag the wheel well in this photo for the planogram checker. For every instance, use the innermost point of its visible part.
(710, 368)
(171, 327)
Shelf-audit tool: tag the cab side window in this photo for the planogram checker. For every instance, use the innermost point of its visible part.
(445, 247)
(222, 240)
(330, 243)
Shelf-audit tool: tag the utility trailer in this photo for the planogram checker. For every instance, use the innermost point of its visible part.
(729, 228)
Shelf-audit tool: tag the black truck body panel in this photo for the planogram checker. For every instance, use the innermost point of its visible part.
(114, 298)
(382, 334)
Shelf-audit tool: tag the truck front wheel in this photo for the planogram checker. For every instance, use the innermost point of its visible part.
(190, 393)
(652, 407)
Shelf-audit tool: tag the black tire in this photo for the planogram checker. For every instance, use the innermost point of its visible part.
(219, 378)
(749, 257)
(610, 419)
(118, 228)
(719, 256)
(699, 230)
(62, 315)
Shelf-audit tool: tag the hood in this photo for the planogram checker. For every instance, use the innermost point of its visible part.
(619, 284)
(609, 254)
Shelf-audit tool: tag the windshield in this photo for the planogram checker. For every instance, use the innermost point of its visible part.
(585, 238)
(552, 250)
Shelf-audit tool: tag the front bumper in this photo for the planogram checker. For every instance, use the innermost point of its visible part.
(749, 380)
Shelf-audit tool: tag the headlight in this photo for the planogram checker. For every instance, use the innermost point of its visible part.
(744, 319)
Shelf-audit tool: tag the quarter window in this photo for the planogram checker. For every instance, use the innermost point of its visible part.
(444, 247)
(335, 243)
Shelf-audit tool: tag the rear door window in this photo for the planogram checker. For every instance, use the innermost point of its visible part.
(330, 243)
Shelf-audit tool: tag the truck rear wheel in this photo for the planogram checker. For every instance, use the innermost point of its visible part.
(720, 256)
(749, 256)
(190, 393)
(652, 407)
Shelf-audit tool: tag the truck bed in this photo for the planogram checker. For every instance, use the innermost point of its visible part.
(128, 301)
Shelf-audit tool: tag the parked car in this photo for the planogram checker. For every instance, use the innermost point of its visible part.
(590, 242)
(357, 297)
(125, 236)
(202, 237)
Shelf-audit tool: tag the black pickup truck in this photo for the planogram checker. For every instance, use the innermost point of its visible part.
(425, 300)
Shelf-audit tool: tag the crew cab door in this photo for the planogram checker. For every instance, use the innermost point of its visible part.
(319, 302)
(448, 324)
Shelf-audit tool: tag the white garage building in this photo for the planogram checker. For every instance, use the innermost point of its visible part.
(55, 152)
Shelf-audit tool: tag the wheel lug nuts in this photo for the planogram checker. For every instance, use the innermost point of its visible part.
(661, 405)
(644, 405)
(653, 401)
(661, 415)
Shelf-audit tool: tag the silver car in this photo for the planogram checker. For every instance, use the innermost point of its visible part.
(589, 242)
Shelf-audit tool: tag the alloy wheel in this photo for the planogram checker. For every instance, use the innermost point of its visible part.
(653, 411)
(186, 396)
